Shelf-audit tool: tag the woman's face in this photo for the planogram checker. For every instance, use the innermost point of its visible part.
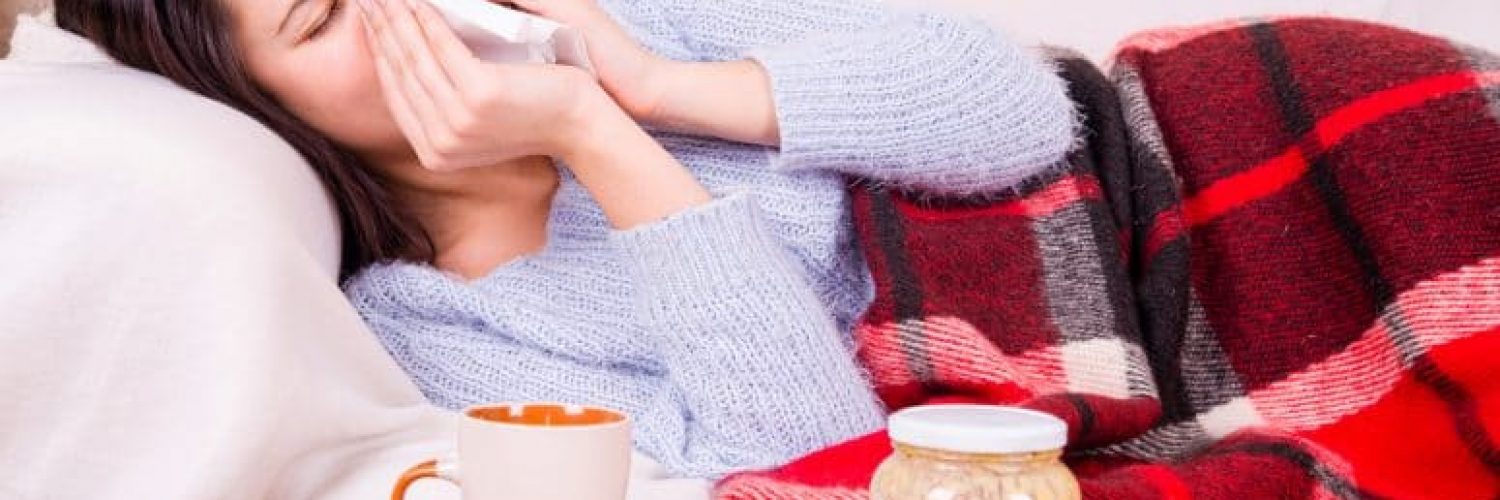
(311, 55)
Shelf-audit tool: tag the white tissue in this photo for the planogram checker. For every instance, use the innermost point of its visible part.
(499, 34)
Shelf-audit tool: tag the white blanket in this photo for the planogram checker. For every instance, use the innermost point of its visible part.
(170, 327)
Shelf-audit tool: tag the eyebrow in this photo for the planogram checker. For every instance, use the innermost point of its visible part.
(296, 4)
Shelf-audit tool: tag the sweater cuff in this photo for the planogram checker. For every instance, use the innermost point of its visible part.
(812, 92)
(700, 250)
(936, 102)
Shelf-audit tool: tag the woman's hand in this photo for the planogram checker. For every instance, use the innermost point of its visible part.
(635, 77)
(729, 100)
(461, 112)
(458, 111)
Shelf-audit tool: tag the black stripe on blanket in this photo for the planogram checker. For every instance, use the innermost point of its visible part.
(1300, 123)
(906, 291)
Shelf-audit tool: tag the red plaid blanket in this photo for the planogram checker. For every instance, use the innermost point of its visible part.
(1274, 272)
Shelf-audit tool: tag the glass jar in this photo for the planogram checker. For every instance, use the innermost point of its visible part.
(975, 452)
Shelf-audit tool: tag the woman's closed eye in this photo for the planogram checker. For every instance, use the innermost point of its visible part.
(331, 16)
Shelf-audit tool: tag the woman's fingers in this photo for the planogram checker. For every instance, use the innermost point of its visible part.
(421, 61)
(401, 110)
(399, 61)
(396, 99)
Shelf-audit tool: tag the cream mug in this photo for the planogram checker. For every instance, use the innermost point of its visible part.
(534, 451)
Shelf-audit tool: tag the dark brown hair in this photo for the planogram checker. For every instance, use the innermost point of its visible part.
(189, 42)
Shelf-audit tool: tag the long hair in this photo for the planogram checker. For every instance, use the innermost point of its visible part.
(189, 42)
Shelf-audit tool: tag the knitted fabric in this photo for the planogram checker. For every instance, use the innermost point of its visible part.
(725, 332)
(1273, 273)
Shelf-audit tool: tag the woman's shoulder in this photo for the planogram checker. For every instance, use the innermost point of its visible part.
(398, 285)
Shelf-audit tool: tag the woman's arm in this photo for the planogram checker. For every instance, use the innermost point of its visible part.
(941, 103)
(756, 365)
(727, 400)
(918, 98)
(756, 371)
(731, 100)
(753, 371)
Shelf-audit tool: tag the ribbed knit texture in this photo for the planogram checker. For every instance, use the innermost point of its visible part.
(724, 330)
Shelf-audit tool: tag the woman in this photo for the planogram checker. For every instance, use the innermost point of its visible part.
(513, 233)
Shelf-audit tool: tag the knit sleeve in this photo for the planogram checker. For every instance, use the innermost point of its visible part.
(917, 98)
(758, 370)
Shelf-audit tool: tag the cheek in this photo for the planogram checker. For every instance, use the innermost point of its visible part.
(331, 84)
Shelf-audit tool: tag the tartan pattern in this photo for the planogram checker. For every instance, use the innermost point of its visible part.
(1272, 272)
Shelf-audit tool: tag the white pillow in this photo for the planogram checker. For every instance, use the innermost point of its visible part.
(170, 325)
(86, 111)
(170, 322)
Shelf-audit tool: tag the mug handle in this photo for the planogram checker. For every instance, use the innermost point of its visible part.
(424, 470)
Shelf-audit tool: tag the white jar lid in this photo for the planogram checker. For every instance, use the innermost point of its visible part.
(978, 429)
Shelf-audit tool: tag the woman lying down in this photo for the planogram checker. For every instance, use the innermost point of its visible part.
(671, 239)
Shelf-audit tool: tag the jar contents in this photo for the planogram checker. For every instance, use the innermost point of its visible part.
(974, 452)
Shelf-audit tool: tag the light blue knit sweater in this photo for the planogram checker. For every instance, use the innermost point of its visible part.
(724, 330)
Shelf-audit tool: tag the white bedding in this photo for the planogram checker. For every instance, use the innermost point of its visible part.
(170, 327)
